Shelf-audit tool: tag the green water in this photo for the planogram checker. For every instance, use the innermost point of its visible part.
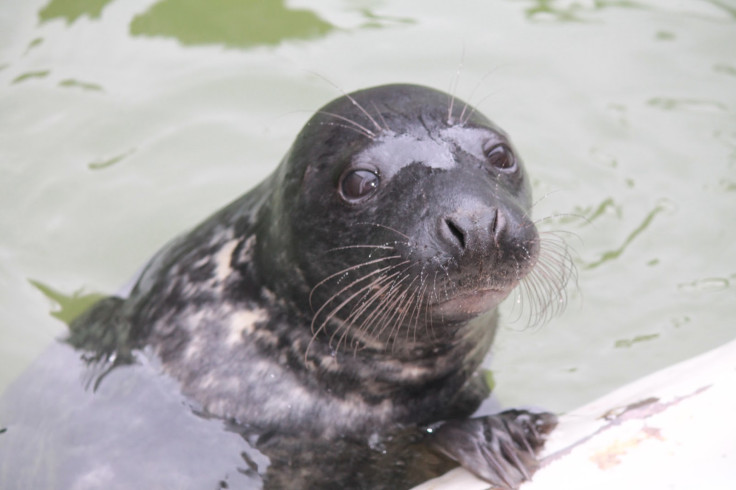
(125, 122)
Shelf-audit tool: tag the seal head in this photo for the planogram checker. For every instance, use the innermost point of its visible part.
(401, 214)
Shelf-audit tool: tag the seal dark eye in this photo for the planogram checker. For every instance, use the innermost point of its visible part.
(358, 184)
(501, 157)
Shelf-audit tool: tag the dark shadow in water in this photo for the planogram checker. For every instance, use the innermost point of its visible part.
(233, 23)
(69, 422)
(107, 416)
(71, 10)
(134, 431)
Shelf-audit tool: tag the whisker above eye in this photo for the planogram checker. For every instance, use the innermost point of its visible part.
(353, 124)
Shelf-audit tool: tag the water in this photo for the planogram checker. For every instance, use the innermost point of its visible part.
(123, 123)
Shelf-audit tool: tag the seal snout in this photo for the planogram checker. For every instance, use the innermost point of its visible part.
(474, 230)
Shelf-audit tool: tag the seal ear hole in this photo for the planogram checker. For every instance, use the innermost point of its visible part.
(502, 157)
(359, 184)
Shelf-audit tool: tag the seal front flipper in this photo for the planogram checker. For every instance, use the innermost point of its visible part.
(104, 334)
(500, 448)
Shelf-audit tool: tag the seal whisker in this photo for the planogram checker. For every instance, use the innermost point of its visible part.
(433, 293)
(463, 121)
(380, 114)
(335, 310)
(370, 295)
(356, 125)
(473, 109)
(453, 88)
(450, 107)
(411, 326)
(392, 310)
(526, 293)
(389, 324)
(562, 215)
(447, 283)
(350, 128)
(347, 288)
(346, 270)
(532, 289)
(365, 112)
(417, 309)
(385, 295)
(428, 297)
(352, 100)
(404, 308)
(363, 289)
(542, 198)
(546, 285)
(397, 311)
(350, 247)
(387, 307)
(379, 225)
(373, 248)
(482, 80)
(378, 295)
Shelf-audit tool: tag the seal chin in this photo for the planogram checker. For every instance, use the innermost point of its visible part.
(470, 304)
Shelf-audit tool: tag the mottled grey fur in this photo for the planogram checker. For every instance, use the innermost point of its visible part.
(300, 313)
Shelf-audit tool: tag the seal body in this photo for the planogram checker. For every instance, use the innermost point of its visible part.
(336, 314)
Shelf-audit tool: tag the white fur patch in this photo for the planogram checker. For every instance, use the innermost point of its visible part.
(243, 323)
(223, 270)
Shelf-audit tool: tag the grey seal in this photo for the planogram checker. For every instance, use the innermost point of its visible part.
(336, 315)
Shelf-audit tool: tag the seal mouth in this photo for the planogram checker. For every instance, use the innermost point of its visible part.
(470, 304)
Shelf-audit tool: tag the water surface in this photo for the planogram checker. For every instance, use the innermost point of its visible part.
(123, 123)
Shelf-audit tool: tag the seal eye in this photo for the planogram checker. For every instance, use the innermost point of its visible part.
(358, 184)
(501, 157)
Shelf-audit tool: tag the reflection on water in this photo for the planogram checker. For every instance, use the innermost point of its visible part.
(726, 69)
(67, 306)
(687, 104)
(30, 75)
(576, 10)
(571, 11)
(639, 338)
(616, 253)
(233, 23)
(69, 82)
(71, 10)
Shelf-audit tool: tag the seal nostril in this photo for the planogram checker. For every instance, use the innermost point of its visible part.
(494, 222)
(456, 232)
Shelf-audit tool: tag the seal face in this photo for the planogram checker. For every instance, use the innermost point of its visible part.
(351, 295)
(418, 218)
